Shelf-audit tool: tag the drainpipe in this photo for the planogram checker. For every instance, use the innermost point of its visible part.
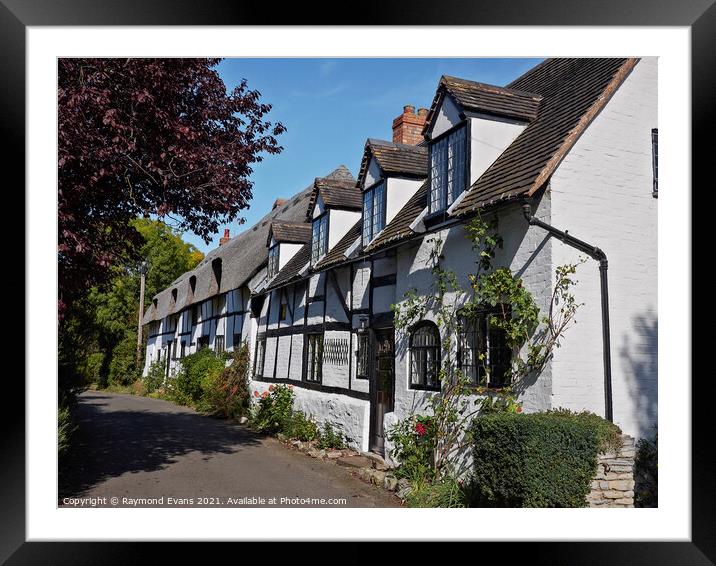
(597, 254)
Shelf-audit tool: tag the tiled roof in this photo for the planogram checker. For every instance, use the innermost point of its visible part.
(338, 193)
(399, 228)
(341, 179)
(573, 92)
(337, 254)
(486, 99)
(292, 268)
(395, 159)
(291, 232)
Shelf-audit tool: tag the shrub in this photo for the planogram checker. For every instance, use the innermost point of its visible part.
(446, 492)
(226, 392)
(65, 428)
(123, 368)
(413, 440)
(300, 427)
(646, 490)
(91, 368)
(155, 376)
(273, 410)
(329, 438)
(197, 368)
(537, 460)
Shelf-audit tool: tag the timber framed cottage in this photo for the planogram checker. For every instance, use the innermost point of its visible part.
(566, 151)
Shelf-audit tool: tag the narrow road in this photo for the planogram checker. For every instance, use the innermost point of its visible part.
(136, 448)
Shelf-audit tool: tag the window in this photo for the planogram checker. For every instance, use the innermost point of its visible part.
(448, 168)
(425, 357)
(237, 341)
(655, 161)
(483, 353)
(222, 304)
(319, 238)
(282, 309)
(260, 354)
(195, 314)
(362, 356)
(314, 357)
(273, 261)
(219, 343)
(373, 212)
(170, 350)
(202, 342)
(174, 350)
(183, 349)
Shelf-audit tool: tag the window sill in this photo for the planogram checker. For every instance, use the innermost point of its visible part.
(424, 388)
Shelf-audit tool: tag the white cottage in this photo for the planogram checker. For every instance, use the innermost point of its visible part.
(565, 157)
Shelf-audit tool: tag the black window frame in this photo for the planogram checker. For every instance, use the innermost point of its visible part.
(414, 349)
(282, 312)
(478, 337)
(368, 235)
(363, 356)
(260, 358)
(655, 162)
(182, 351)
(219, 343)
(446, 200)
(236, 337)
(274, 255)
(320, 248)
(202, 342)
(313, 358)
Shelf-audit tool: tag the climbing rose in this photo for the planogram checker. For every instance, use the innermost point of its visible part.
(256, 393)
(420, 429)
(271, 387)
(519, 409)
(265, 394)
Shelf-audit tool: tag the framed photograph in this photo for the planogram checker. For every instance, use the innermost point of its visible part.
(289, 281)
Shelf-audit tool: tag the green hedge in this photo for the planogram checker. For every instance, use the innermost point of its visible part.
(539, 459)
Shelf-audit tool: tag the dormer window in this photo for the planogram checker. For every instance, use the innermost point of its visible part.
(448, 168)
(319, 238)
(273, 261)
(373, 212)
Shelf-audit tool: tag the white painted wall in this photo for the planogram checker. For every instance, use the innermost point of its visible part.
(286, 252)
(339, 222)
(373, 173)
(489, 138)
(319, 208)
(601, 193)
(399, 192)
(447, 116)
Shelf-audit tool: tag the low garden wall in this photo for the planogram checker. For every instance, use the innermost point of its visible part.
(613, 486)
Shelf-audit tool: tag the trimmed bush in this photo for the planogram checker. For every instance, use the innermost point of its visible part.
(273, 410)
(226, 392)
(330, 438)
(537, 460)
(300, 427)
(196, 369)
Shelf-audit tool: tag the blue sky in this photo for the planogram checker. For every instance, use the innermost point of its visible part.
(330, 107)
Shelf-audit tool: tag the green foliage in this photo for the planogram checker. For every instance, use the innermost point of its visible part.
(609, 435)
(413, 446)
(536, 460)
(273, 410)
(91, 367)
(646, 472)
(226, 393)
(331, 438)
(300, 427)
(155, 376)
(123, 368)
(445, 492)
(65, 428)
(198, 371)
(502, 402)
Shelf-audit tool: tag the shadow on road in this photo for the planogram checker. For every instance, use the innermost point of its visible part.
(109, 443)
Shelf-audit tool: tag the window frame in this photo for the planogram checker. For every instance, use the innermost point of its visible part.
(363, 356)
(313, 365)
(483, 378)
(315, 247)
(655, 162)
(219, 343)
(260, 348)
(274, 255)
(412, 349)
(381, 214)
(445, 137)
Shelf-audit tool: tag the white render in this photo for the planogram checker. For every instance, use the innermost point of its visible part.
(489, 137)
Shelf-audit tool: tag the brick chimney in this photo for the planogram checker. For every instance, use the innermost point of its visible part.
(226, 237)
(408, 126)
(278, 202)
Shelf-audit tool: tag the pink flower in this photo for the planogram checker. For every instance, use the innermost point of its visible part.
(264, 395)
(256, 393)
(420, 429)
(518, 410)
(271, 387)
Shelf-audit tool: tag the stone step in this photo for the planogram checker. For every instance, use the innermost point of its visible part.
(354, 462)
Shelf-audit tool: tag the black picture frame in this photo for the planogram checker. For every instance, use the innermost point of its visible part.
(699, 15)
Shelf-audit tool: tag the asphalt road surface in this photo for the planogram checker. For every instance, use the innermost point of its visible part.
(151, 453)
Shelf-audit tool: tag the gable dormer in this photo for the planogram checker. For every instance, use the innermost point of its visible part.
(335, 207)
(468, 127)
(391, 173)
(285, 239)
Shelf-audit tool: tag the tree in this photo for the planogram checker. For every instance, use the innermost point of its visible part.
(105, 318)
(143, 137)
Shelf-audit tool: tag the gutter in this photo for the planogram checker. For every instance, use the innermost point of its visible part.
(599, 255)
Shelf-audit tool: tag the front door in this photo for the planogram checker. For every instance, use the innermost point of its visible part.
(382, 386)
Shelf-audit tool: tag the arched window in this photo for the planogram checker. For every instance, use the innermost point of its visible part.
(425, 357)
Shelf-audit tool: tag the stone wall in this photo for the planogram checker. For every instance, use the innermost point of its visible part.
(613, 486)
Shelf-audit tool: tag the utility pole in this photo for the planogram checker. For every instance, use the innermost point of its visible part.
(142, 274)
